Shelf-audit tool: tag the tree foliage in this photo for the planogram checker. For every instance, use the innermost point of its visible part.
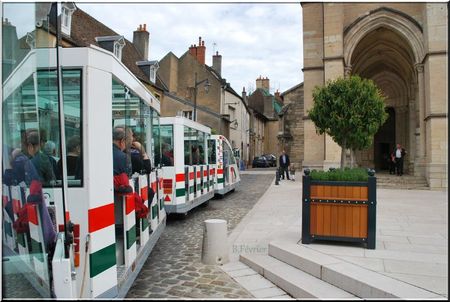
(350, 110)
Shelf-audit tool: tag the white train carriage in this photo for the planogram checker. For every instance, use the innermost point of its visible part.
(226, 176)
(110, 243)
(188, 178)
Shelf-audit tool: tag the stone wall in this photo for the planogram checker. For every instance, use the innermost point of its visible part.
(294, 125)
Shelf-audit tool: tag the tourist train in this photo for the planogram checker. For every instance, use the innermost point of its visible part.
(79, 232)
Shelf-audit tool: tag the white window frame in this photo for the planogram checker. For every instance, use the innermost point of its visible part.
(188, 114)
(117, 48)
(66, 18)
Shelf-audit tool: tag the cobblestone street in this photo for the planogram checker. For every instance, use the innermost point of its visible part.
(174, 268)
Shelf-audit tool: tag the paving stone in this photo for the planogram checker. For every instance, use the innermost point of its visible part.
(183, 277)
(174, 268)
(223, 289)
(189, 284)
(171, 281)
(203, 280)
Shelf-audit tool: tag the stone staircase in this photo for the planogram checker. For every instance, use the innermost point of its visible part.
(404, 182)
(308, 274)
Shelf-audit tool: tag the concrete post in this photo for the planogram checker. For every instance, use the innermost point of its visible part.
(215, 242)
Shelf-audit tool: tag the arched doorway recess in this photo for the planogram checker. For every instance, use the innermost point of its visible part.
(385, 46)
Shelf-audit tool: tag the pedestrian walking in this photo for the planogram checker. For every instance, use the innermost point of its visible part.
(400, 153)
(284, 165)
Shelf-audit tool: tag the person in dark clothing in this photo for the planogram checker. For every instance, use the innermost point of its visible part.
(72, 157)
(121, 141)
(40, 160)
(399, 153)
(284, 164)
(140, 162)
(392, 163)
(50, 150)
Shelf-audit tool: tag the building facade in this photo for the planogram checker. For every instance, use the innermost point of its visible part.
(291, 135)
(265, 108)
(187, 96)
(403, 48)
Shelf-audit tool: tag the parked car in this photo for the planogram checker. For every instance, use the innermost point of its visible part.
(272, 159)
(260, 162)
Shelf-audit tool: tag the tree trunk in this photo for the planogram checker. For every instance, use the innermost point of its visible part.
(343, 156)
(352, 159)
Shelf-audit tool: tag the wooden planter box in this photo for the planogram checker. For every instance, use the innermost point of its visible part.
(339, 210)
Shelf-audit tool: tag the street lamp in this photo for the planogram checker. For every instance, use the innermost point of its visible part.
(206, 87)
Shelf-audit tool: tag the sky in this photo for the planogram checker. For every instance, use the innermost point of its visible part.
(254, 39)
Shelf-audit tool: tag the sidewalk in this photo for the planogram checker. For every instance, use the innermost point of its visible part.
(412, 234)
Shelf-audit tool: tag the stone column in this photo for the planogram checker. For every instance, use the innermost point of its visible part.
(412, 136)
(347, 71)
(421, 112)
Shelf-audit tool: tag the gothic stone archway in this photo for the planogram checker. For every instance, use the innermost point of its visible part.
(385, 47)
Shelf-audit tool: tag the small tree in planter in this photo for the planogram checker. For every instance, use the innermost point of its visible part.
(350, 110)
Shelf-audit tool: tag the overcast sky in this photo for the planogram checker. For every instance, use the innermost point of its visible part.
(253, 38)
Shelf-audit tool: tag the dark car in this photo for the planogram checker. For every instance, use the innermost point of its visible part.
(260, 162)
(272, 159)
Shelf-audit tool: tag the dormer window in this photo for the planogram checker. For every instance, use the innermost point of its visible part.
(66, 17)
(118, 45)
(113, 44)
(153, 69)
(149, 68)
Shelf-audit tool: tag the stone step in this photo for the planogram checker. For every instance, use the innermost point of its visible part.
(295, 282)
(349, 277)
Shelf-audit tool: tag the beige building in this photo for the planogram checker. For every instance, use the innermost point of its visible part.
(403, 48)
(184, 79)
(239, 115)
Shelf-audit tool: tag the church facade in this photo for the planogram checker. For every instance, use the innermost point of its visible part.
(403, 48)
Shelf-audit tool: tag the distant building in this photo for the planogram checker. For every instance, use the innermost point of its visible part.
(265, 108)
(220, 108)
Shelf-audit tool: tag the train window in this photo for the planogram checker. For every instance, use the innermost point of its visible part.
(201, 147)
(72, 127)
(195, 150)
(156, 142)
(30, 115)
(166, 132)
(122, 110)
(187, 146)
(211, 151)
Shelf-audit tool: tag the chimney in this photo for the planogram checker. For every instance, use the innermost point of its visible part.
(193, 50)
(198, 51)
(201, 50)
(141, 41)
(278, 96)
(244, 95)
(259, 82)
(217, 63)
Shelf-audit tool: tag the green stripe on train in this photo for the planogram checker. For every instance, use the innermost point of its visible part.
(8, 228)
(21, 239)
(131, 237)
(221, 180)
(180, 192)
(144, 224)
(102, 260)
(154, 211)
(37, 251)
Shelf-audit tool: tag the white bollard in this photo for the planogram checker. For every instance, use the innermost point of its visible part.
(215, 242)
